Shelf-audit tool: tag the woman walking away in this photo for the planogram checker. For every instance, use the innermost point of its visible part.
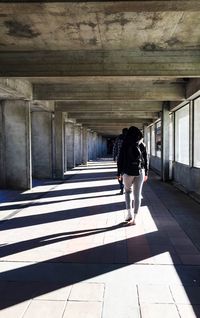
(133, 166)
(116, 151)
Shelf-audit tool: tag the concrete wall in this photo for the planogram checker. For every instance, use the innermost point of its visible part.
(155, 164)
(187, 177)
(41, 123)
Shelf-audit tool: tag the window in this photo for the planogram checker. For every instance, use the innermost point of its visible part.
(153, 152)
(182, 135)
(196, 161)
(158, 138)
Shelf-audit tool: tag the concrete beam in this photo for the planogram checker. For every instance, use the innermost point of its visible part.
(113, 115)
(115, 130)
(109, 124)
(15, 89)
(130, 90)
(193, 88)
(146, 62)
(115, 121)
(42, 105)
(96, 6)
(105, 105)
(192, 91)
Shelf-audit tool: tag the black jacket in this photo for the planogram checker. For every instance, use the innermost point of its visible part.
(124, 159)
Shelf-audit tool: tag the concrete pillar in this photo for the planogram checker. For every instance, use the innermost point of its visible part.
(80, 146)
(94, 145)
(191, 133)
(102, 147)
(15, 145)
(145, 133)
(99, 154)
(59, 145)
(65, 148)
(85, 145)
(105, 147)
(98, 146)
(77, 144)
(42, 161)
(165, 142)
(70, 149)
(90, 144)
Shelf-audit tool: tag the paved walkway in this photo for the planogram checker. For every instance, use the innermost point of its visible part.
(65, 252)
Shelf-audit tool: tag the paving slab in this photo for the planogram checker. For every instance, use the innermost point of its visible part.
(45, 309)
(83, 309)
(66, 251)
(159, 310)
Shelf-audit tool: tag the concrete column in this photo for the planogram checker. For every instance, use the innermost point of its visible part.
(191, 134)
(77, 144)
(2, 139)
(15, 145)
(104, 147)
(41, 123)
(85, 145)
(98, 146)
(59, 145)
(165, 142)
(145, 133)
(70, 138)
(90, 144)
(99, 154)
(65, 148)
(94, 146)
(80, 146)
(103, 150)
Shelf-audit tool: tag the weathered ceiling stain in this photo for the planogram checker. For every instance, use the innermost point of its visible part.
(19, 30)
(151, 47)
(117, 54)
(173, 41)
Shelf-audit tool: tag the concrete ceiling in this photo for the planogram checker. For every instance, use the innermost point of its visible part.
(108, 64)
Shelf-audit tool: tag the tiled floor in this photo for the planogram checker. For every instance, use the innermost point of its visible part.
(66, 252)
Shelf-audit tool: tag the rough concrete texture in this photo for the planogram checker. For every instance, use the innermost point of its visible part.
(16, 145)
(42, 144)
(88, 53)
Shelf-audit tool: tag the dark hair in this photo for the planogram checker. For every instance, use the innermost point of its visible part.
(124, 131)
(134, 134)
